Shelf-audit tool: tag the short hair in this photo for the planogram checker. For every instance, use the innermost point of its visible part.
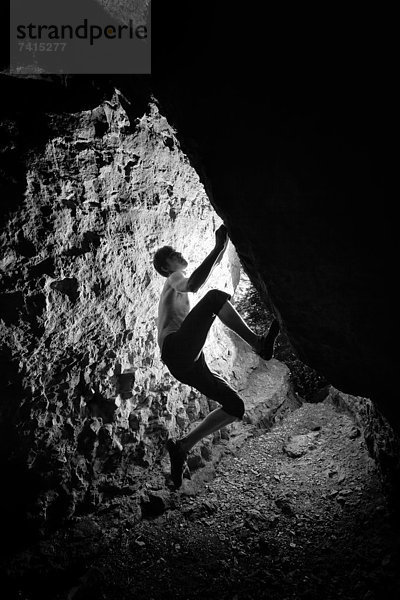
(159, 260)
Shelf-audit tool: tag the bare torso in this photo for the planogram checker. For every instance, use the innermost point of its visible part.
(173, 307)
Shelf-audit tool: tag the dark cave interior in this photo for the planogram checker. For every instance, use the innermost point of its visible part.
(286, 124)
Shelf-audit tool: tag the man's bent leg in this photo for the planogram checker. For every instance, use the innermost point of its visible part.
(179, 449)
(216, 388)
(190, 338)
(215, 420)
(231, 318)
(263, 345)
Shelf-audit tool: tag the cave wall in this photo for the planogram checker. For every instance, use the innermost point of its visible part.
(289, 129)
(382, 441)
(87, 403)
(308, 216)
(291, 149)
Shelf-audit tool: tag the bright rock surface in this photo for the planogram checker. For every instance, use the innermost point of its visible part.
(95, 403)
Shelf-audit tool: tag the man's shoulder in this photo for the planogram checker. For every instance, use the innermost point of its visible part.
(176, 276)
(177, 281)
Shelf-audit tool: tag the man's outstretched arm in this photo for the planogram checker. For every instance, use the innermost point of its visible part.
(200, 275)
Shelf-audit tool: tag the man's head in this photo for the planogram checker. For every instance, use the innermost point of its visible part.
(167, 260)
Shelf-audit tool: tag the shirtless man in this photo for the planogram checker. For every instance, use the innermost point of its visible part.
(181, 336)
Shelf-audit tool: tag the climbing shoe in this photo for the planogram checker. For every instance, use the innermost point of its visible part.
(177, 458)
(268, 340)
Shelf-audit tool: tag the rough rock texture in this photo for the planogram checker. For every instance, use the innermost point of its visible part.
(381, 441)
(268, 525)
(299, 181)
(87, 403)
(294, 164)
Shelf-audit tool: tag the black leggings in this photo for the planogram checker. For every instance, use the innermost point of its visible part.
(183, 355)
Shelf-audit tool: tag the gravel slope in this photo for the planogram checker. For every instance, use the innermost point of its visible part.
(298, 512)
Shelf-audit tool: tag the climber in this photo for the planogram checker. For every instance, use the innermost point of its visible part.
(181, 336)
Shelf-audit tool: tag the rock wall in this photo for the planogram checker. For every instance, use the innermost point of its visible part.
(289, 131)
(87, 402)
(302, 214)
(290, 144)
(382, 442)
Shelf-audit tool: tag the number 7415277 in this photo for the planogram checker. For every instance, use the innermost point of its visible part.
(42, 46)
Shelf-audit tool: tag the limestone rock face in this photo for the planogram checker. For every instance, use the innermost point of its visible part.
(382, 442)
(87, 403)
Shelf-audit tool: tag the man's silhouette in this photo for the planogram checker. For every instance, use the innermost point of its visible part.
(181, 336)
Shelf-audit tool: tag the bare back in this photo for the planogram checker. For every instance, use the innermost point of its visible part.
(173, 307)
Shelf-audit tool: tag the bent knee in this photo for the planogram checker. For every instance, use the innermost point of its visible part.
(235, 407)
(213, 294)
(217, 299)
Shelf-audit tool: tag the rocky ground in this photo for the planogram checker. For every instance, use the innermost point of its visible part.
(298, 512)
